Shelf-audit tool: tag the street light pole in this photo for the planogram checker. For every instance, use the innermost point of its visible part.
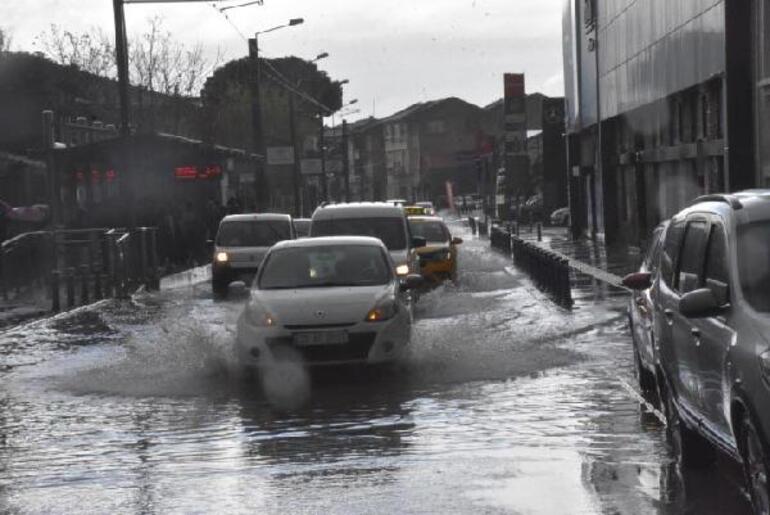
(295, 162)
(256, 110)
(256, 120)
(121, 57)
(322, 146)
(345, 160)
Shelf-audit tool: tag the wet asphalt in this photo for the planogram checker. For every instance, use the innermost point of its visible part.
(506, 403)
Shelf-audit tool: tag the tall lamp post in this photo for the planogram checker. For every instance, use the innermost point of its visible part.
(256, 106)
(322, 146)
(297, 172)
(345, 153)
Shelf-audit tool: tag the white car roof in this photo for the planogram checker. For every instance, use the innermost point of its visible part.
(326, 241)
(358, 210)
(258, 217)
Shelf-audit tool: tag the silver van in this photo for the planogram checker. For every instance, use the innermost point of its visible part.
(240, 245)
(384, 221)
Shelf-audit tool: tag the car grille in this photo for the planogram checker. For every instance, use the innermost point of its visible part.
(438, 255)
(357, 349)
(318, 326)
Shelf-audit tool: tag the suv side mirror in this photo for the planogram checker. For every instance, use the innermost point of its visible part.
(700, 303)
(638, 281)
(456, 241)
(419, 242)
(412, 282)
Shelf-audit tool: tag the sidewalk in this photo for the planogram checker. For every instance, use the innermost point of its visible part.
(587, 257)
(22, 309)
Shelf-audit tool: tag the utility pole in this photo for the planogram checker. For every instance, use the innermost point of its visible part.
(297, 177)
(52, 176)
(322, 145)
(345, 159)
(121, 57)
(256, 121)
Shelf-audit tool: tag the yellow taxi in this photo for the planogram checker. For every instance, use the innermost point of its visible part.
(416, 211)
(438, 259)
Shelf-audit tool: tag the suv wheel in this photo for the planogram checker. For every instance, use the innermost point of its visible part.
(644, 377)
(755, 467)
(646, 380)
(690, 448)
(219, 287)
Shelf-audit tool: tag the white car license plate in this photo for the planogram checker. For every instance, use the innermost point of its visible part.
(321, 338)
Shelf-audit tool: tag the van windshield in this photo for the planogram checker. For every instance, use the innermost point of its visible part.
(261, 233)
(390, 231)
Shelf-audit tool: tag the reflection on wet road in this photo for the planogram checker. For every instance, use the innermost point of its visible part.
(506, 403)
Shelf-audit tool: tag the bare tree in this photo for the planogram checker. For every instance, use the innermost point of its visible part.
(5, 40)
(91, 51)
(157, 62)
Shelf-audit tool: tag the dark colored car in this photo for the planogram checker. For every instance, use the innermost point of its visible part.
(711, 302)
(640, 315)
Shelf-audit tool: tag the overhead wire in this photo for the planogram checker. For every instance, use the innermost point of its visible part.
(277, 77)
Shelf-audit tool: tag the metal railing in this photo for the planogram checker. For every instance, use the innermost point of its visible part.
(549, 270)
(79, 266)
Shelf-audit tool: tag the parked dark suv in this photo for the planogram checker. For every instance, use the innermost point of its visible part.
(641, 311)
(712, 323)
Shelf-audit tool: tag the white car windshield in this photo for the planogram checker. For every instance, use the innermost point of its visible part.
(390, 231)
(253, 233)
(325, 266)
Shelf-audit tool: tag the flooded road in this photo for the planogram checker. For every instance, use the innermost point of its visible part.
(505, 404)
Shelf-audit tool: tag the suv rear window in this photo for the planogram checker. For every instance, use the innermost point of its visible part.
(252, 233)
(391, 231)
(754, 263)
(671, 250)
(691, 261)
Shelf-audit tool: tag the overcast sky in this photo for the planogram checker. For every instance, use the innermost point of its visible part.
(394, 52)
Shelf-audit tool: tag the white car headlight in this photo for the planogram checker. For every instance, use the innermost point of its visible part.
(260, 317)
(222, 257)
(402, 269)
(384, 310)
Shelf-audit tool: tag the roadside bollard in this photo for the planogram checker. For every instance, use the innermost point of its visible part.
(98, 294)
(107, 286)
(143, 261)
(84, 285)
(154, 279)
(55, 300)
(539, 231)
(70, 280)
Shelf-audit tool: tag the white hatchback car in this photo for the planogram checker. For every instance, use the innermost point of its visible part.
(332, 301)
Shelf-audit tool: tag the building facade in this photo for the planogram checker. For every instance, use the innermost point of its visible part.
(665, 101)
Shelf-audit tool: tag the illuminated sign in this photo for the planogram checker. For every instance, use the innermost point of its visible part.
(186, 173)
(191, 173)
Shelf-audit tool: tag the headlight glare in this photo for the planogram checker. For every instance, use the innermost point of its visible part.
(383, 310)
(222, 257)
(402, 269)
(261, 318)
